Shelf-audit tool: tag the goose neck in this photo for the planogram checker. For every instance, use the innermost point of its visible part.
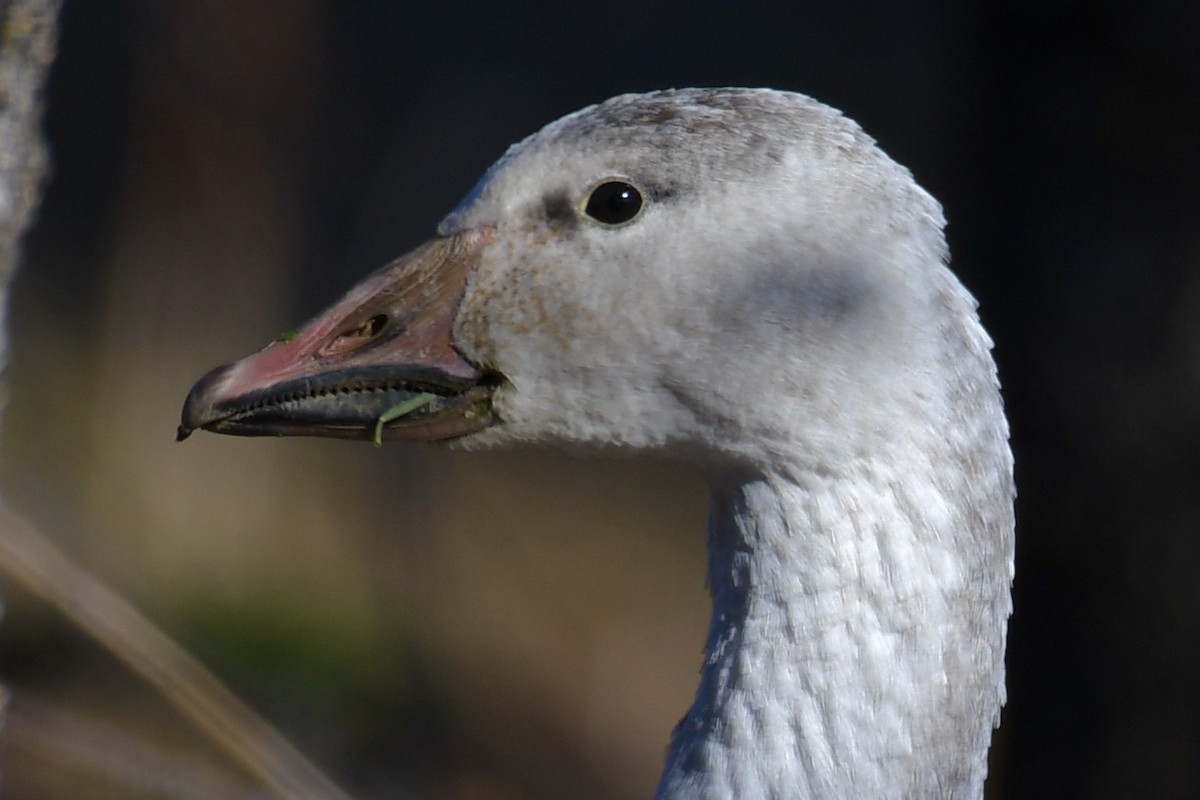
(842, 660)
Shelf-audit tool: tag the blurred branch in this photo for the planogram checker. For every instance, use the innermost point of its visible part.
(27, 556)
(27, 38)
(58, 738)
(27, 41)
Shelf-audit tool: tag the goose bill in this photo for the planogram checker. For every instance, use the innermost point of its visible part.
(387, 341)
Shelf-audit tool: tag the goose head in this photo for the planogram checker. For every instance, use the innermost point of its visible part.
(713, 273)
(742, 279)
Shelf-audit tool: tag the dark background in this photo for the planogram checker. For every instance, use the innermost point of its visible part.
(524, 625)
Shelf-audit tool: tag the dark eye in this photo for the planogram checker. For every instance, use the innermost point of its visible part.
(613, 203)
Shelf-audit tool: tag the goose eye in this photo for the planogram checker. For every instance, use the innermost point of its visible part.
(613, 203)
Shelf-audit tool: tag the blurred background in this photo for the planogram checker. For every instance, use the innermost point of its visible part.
(441, 625)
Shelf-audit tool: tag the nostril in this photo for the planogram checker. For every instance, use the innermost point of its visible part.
(375, 324)
(357, 336)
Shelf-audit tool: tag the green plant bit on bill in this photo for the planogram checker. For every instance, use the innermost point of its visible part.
(401, 410)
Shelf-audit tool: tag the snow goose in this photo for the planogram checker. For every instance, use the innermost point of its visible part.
(742, 279)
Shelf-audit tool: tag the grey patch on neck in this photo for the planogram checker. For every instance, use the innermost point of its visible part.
(799, 299)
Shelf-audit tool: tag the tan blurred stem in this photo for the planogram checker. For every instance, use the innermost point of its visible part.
(53, 737)
(27, 556)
